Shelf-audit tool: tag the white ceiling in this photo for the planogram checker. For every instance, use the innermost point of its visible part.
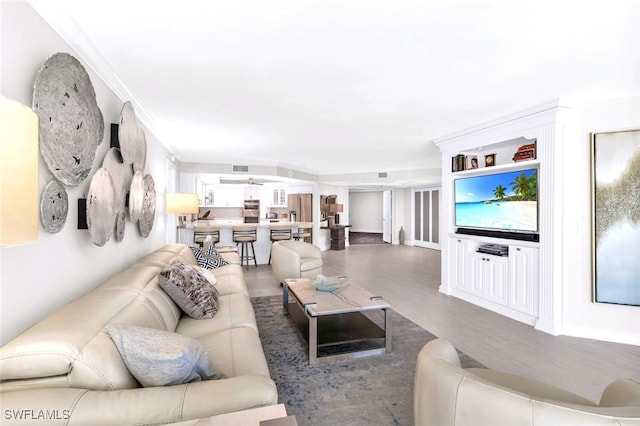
(344, 87)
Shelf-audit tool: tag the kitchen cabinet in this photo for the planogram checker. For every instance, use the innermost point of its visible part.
(228, 197)
(279, 198)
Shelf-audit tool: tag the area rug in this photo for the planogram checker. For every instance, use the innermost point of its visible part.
(377, 390)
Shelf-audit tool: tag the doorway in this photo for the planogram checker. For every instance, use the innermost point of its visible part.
(426, 217)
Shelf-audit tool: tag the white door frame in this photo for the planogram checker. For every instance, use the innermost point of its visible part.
(430, 242)
(387, 216)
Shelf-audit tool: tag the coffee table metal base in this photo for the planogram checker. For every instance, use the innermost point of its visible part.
(347, 335)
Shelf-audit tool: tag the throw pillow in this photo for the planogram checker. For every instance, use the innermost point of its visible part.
(190, 290)
(161, 358)
(208, 258)
(207, 274)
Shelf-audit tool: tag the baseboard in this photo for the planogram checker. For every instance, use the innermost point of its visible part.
(369, 231)
(606, 335)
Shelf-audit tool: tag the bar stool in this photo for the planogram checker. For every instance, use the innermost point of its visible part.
(304, 232)
(279, 232)
(200, 234)
(245, 235)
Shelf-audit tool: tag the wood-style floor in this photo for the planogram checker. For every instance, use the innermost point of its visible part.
(408, 278)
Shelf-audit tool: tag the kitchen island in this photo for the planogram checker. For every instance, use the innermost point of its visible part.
(262, 246)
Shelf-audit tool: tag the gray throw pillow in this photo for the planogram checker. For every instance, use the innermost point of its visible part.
(190, 290)
(161, 358)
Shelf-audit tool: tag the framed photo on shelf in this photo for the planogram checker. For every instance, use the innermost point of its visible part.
(472, 162)
(489, 160)
(615, 178)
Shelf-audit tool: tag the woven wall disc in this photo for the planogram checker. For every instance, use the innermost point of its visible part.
(54, 206)
(100, 207)
(148, 207)
(120, 226)
(71, 125)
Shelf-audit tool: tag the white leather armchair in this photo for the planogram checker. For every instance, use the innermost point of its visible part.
(447, 394)
(295, 259)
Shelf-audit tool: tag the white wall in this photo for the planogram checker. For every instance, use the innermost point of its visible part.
(580, 316)
(39, 277)
(402, 215)
(365, 212)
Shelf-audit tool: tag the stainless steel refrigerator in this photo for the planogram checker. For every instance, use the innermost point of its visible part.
(300, 207)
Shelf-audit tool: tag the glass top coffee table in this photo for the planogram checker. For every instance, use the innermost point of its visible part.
(343, 324)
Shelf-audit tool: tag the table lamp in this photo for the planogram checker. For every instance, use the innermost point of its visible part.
(182, 204)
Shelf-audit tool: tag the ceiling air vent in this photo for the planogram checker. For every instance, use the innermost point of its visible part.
(382, 175)
(240, 169)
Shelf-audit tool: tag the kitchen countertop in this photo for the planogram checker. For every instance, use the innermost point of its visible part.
(231, 222)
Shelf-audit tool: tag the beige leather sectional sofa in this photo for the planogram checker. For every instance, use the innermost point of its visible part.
(446, 394)
(67, 370)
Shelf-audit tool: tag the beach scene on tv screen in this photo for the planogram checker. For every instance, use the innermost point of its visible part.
(505, 201)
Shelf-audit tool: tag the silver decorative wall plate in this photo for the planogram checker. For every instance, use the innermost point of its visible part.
(115, 166)
(141, 151)
(128, 133)
(136, 196)
(101, 208)
(54, 206)
(71, 125)
(148, 214)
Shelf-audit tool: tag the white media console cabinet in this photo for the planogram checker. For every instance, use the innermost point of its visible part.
(523, 284)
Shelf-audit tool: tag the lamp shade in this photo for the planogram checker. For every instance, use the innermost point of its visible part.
(182, 203)
(336, 208)
(18, 173)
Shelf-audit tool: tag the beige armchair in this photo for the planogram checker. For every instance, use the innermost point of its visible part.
(295, 259)
(446, 394)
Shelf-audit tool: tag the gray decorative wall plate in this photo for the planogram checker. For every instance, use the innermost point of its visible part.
(116, 168)
(128, 133)
(100, 207)
(71, 125)
(136, 196)
(54, 206)
(148, 207)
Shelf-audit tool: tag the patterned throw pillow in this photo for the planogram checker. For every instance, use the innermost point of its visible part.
(208, 258)
(161, 358)
(190, 290)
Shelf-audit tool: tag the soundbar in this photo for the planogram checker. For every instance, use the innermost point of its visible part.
(521, 236)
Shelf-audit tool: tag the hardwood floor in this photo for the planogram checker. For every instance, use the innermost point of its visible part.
(408, 278)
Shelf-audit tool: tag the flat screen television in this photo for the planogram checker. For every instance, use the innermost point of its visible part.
(501, 205)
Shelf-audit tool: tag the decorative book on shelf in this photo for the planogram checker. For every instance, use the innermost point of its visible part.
(525, 152)
(464, 162)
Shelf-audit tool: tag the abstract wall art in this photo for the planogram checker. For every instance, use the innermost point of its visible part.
(101, 208)
(136, 196)
(54, 206)
(70, 123)
(616, 217)
(148, 213)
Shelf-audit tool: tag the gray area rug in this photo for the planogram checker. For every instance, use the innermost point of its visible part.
(368, 391)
